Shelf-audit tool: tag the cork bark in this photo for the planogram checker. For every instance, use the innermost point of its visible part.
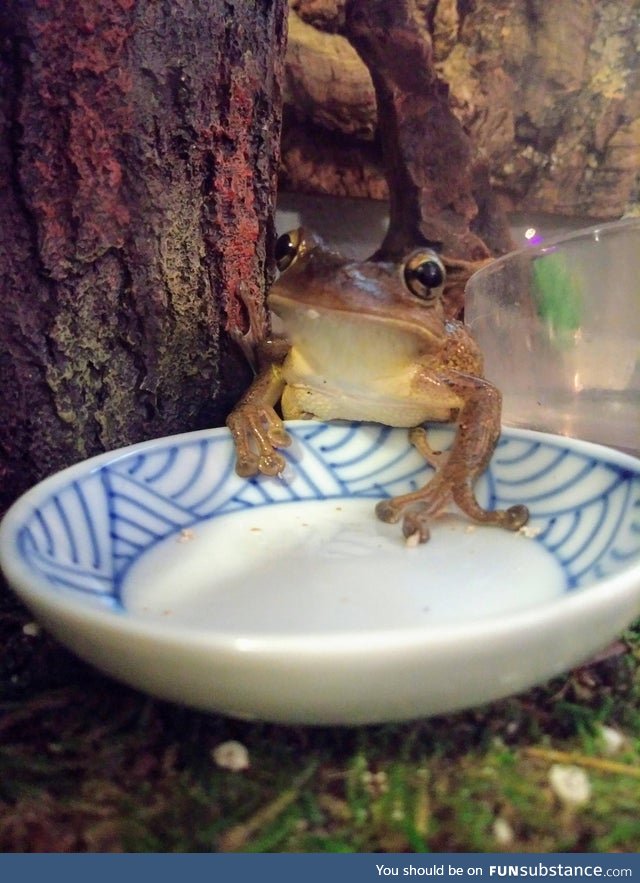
(549, 94)
(139, 145)
(427, 156)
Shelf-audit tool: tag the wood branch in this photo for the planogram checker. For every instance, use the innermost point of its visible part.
(427, 157)
(426, 154)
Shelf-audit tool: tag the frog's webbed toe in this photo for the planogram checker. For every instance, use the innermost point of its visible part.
(512, 518)
(450, 485)
(257, 433)
(456, 470)
(418, 509)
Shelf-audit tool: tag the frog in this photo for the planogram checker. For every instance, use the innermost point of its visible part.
(370, 341)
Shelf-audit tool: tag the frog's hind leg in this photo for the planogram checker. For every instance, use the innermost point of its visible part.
(512, 518)
(457, 470)
(420, 507)
(416, 509)
(393, 509)
(420, 440)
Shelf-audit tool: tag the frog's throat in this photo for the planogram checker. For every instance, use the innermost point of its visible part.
(319, 318)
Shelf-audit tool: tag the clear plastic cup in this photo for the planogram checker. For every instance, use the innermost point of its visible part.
(559, 327)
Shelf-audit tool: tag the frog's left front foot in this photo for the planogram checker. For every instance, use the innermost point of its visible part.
(418, 509)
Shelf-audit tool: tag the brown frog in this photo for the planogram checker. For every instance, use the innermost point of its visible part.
(369, 340)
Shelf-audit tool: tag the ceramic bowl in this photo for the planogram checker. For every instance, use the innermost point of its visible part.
(559, 326)
(285, 599)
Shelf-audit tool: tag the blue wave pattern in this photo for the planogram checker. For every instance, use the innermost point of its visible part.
(584, 511)
(86, 535)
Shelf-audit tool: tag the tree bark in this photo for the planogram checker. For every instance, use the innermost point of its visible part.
(139, 143)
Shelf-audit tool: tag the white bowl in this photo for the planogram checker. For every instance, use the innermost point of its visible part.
(287, 600)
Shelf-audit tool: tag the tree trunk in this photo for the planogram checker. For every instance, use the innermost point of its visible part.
(138, 153)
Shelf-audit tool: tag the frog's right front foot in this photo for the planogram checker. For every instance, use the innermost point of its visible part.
(257, 433)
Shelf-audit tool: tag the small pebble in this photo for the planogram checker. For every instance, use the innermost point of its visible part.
(232, 756)
(287, 475)
(570, 784)
(375, 783)
(32, 629)
(613, 740)
(186, 535)
(529, 531)
(502, 832)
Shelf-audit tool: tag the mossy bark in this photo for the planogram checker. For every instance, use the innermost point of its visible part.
(138, 154)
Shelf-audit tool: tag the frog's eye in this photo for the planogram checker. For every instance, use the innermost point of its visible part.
(424, 274)
(287, 247)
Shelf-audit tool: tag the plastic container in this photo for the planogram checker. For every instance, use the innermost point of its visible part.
(559, 326)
